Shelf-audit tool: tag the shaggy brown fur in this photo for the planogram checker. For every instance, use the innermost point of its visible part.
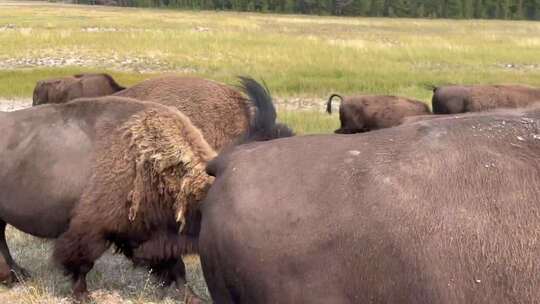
(219, 111)
(64, 89)
(474, 98)
(155, 162)
(146, 174)
(371, 112)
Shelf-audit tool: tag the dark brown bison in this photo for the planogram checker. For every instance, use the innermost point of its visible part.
(443, 211)
(111, 170)
(219, 111)
(104, 171)
(64, 89)
(371, 112)
(473, 98)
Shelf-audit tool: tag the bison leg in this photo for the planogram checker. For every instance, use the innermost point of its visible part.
(174, 271)
(17, 272)
(76, 250)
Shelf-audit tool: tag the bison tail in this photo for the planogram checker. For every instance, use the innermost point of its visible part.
(112, 82)
(263, 125)
(329, 102)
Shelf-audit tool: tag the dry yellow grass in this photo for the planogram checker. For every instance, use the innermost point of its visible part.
(112, 281)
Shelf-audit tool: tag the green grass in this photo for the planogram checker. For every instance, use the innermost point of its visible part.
(296, 55)
(309, 122)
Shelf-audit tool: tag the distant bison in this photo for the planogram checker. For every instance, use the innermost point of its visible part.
(219, 111)
(473, 98)
(64, 89)
(443, 211)
(104, 171)
(371, 112)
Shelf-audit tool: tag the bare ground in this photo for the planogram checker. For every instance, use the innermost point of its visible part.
(14, 104)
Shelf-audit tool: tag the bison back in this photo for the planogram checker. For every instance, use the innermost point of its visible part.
(219, 111)
(438, 212)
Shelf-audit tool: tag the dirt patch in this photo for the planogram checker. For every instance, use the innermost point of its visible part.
(300, 103)
(119, 63)
(283, 104)
(7, 105)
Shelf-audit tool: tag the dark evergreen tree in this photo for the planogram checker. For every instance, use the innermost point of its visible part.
(500, 9)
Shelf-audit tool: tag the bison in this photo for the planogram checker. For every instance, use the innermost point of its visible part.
(455, 99)
(371, 112)
(219, 111)
(110, 171)
(64, 89)
(104, 171)
(443, 211)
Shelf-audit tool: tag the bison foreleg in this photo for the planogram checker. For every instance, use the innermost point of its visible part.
(76, 250)
(17, 273)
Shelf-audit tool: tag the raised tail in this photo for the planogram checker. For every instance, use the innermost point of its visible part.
(329, 103)
(263, 125)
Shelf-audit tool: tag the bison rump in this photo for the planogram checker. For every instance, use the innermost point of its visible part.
(438, 212)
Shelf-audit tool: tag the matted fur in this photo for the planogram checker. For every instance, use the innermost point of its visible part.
(176, 164)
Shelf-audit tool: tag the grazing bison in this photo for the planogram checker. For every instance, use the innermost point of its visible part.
(104, 171)
(219, 111)
(474, 98)
(443, 211)
(371, 112)
(64, 89)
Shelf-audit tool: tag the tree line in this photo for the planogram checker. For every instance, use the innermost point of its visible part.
(459, 9)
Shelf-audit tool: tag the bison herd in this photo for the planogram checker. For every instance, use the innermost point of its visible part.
(433, 208)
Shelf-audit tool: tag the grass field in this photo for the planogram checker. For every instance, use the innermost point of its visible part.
(298, 56)
(302, 60)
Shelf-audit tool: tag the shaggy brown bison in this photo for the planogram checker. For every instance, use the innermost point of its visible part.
(219, 111)
(371, 112)
(64, 89)
(473, 98)
(443, 211)
(104, 171)
(111, 170)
